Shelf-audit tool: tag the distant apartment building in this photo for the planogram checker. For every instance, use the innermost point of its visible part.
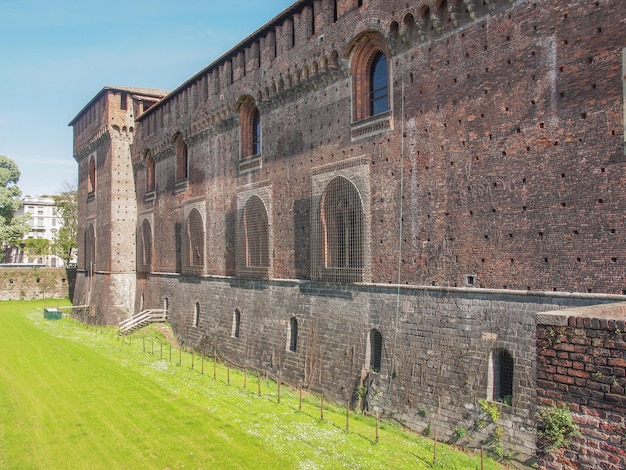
(44, 224)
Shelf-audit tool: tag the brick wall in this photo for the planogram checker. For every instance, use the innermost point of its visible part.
(29, 284)
(581, 361)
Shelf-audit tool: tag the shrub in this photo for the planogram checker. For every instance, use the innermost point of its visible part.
(556, 426)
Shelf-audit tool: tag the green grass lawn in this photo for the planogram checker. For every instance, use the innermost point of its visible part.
(77, 397)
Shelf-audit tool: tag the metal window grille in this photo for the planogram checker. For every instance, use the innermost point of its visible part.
(341, 232)
(293, 334)
(502, 375)
(194, 255)
(376, 350)
(255, 228)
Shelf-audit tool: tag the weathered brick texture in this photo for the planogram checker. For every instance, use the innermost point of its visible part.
(581, 361)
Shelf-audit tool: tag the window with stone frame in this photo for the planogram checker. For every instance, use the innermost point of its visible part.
(144, 250)
(194, 252)
(250, 134)
(254, 249)
(150, 173)
(91, 175)
(371, 78)
(182, 158)
(292, 344)
(342, 232)
(236, 328)
(375, 350)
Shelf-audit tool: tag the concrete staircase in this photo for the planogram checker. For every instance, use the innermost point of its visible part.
(141, 319)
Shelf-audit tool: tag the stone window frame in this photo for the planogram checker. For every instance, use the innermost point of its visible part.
(144, 259)
(150, 165)
(243, 267)
(250, 135)
(236, 327)
(367, 49)
(91, 176)
(187, 266)
(181, 151)
(374, 350)
(355, 171)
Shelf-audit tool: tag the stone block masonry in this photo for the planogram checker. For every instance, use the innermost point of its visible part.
(581, 361)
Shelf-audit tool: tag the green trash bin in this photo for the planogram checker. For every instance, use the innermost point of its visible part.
(52, 313)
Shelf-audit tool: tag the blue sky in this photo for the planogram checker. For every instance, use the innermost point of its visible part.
(55, 56)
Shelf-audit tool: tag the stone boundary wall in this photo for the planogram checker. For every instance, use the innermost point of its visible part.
(581, 361)
(436, 345)
(35, 283)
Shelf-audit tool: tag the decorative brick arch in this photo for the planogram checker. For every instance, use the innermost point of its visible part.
(254, 234)
(370, 50)
(182, 157)
(150, 172)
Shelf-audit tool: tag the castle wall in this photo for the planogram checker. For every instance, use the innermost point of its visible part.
(436, 345)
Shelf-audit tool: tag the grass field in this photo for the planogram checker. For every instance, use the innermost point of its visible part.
(79, 398)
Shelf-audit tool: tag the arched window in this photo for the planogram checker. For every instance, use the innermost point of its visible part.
(255, 234)
(195, 239)
(375, 348)
(250, 134)
(293, 335)
(182, 158)
(90, 249)
(150, 173)
(342, 232)
(91, 176)
(196, 315)
(370, 77)
(236, 323)
(502, 376)
(379, 85)
(145, 246)
(256, 132)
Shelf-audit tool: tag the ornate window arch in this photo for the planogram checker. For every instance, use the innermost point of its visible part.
(253, 241)
(250, 134)
(371, 77)
(195, 241)
(342, 232)
(182, 157)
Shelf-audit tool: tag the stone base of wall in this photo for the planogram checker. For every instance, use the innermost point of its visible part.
(35, 283)
(436, 346)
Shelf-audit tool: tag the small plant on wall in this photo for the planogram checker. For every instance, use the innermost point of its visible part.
(556, 426)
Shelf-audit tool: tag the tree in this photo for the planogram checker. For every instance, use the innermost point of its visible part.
(66, 240)
(12, 227)
(36, 247)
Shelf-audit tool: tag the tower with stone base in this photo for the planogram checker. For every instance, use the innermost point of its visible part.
(107, 206)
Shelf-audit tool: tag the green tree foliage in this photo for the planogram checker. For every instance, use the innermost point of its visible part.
(35, 247)
(66, 240)
(12, 228)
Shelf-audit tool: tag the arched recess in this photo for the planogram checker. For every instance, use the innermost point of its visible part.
(194, 254)
(371, 77)
(256, 233)
(182, 157)
(91, 175)
(500, 381)
(150, 173)
(342, 232)
(249, 127)
(144, 252)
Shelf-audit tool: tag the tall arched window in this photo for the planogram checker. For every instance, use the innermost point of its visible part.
(342, 232)
(379, 85)
(150, 173)
(91, 176)
(195, 239)
(145, 246)
(182, 158)
(370, 77)
(502, 376)
(255, 234)
(256, 132)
